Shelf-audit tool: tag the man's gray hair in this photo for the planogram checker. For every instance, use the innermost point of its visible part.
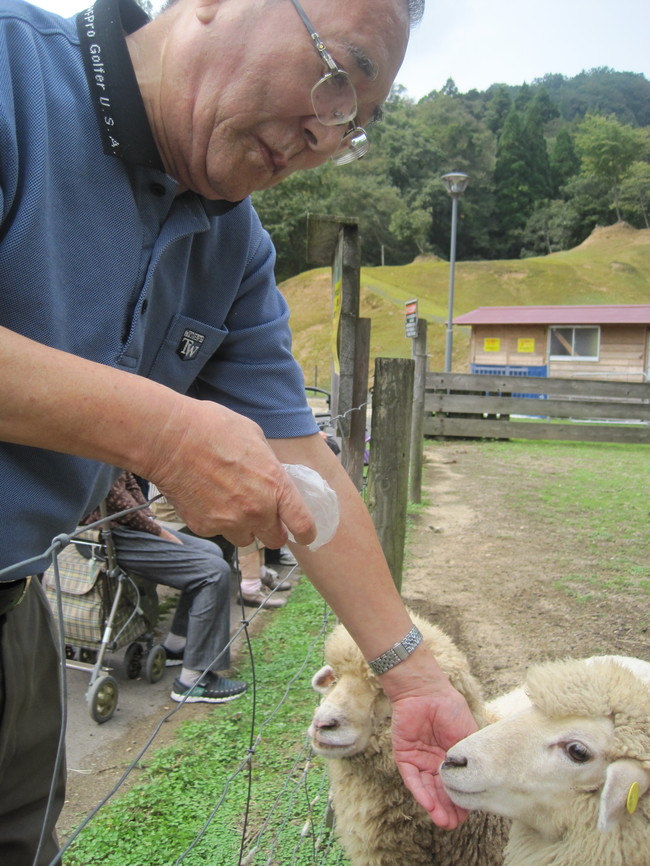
(416, 11)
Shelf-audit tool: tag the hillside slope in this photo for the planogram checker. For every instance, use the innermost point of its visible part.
(611, 267)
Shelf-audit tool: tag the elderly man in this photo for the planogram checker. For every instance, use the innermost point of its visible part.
(140, 326)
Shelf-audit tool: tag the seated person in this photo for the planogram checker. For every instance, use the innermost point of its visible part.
(257, 580)
(200, 630)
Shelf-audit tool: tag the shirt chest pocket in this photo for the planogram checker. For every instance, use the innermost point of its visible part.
(188, 345)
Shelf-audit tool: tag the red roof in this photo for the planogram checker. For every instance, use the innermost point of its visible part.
(585, 314)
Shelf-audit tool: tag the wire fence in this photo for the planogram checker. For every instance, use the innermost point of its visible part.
(276, 837)
(296, 828)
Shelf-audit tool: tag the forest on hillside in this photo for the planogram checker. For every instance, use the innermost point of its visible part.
(547, 162)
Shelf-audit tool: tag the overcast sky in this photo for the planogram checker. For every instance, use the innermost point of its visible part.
(483, 42)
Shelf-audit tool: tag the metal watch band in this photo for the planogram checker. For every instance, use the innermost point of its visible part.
(398, 653)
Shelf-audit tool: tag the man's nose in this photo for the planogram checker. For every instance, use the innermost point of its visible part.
(322, 140)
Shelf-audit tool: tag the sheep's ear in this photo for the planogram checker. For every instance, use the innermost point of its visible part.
(625, 782)
(322, 680)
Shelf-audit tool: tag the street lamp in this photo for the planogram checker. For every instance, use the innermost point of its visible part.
(455, 183)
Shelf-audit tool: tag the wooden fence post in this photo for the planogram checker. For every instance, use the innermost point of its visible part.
(419, 355)
(353, 445)
(335, 241)
(388, 472)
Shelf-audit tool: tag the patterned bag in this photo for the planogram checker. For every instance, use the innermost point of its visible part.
(87, 596)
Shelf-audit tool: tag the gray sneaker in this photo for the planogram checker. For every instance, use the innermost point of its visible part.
(212, 689)
(287, 557)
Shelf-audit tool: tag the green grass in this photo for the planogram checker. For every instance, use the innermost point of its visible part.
(180, 785)
(595, 493)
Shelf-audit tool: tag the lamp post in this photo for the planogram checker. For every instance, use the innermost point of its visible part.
(455, 183)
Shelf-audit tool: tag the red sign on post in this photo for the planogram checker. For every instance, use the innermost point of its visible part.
(411, 311)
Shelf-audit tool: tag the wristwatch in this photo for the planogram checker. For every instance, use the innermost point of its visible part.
(398, 653)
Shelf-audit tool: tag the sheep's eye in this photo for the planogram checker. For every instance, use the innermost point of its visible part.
(578, 752)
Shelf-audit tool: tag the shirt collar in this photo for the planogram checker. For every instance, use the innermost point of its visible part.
(113, 86)
(121, 115)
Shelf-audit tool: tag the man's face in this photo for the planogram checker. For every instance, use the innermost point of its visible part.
(233, 112)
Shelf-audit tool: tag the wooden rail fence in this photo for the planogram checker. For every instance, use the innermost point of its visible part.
(527, 407)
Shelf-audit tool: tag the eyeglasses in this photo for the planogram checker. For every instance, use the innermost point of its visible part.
(334, 100)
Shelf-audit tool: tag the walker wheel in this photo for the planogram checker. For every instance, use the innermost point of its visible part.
(155, 665)
(102, 699)
(133, 660)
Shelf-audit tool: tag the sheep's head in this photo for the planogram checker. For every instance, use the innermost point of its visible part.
(584, 737)
(354, 708)
(354, 713)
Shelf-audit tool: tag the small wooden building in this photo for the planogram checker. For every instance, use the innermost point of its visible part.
(592, 341)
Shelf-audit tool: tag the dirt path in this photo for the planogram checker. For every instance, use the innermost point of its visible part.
(485, 570)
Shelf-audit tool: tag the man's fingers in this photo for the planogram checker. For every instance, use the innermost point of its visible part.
(294, 514)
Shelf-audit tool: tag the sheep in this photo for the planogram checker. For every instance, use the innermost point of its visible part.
(377, 820)
(570, 770)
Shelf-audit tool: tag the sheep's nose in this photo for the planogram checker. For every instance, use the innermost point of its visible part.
(451, 762)
(330, 724)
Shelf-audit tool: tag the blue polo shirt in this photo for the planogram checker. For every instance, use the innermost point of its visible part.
(99, 257)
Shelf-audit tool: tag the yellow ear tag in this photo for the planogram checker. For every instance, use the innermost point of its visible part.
(632, 798)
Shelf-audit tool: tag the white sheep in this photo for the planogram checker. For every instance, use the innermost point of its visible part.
(377, 820)
(571, 770)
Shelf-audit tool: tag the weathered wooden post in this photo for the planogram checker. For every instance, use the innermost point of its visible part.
(388, 474)
(419, 355)
(335, 241)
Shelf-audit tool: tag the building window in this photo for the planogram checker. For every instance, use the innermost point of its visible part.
(580, 343)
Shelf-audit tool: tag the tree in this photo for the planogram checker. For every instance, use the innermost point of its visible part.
(549, 228)
(608, 149)
(635, 193)
(497, 110)
(411, 226)
(564, 161)
(548, 110)
(450, 88)
(589, 197)
(539, 169)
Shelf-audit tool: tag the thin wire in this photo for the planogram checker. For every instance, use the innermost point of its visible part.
(63, 691)
(58, 543)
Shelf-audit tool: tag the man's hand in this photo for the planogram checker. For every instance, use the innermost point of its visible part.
(169, 536)
(424, 728)
(429, 717)
(221, 475)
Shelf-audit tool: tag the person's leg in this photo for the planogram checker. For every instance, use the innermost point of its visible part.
(253, 590)
(250, 562)
(203, 576)
(30, 726)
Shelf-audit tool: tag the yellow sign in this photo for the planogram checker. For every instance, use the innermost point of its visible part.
(337, 291)
(526, 344)
(491, 344)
